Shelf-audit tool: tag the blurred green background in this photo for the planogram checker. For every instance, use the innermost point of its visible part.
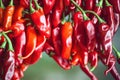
(47, 69)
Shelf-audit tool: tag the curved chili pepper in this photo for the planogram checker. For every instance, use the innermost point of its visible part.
(116, 5)
(17, 13)
(57, 41)
(66, 35)
(1, 12)
(108, 15)
(105, 39)
(57, 13)
(39, 19)
(48, 5)
(31, 39)
(8, 14)
(112, 69)
(37, 54)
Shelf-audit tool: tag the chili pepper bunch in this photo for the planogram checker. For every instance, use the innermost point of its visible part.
(72, 32)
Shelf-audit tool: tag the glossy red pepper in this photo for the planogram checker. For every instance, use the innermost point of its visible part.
(8, 14)
(57, 41)
(39, 19)
(108, 15)
(31, 39)
(18, 13)
(57, 13)
(66, 35)
(48, 5)
(105, 39)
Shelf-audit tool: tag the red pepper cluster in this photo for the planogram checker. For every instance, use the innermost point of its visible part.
(72, 32)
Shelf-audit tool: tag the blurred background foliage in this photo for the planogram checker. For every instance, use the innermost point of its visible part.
(47, 69)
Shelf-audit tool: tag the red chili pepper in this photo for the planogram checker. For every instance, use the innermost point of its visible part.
(18, 13)
(31, 39)
(57, 41)
(37, 54)
(1, 12)
(105, 39)
(108, 15)
(8, 14)
(17, 28)
(57, 12)
(48, 5)
(77, 18)
(90, 38)
(66, 35)
(39, 19)
(116, 5)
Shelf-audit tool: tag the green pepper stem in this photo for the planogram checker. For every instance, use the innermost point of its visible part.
(37, 5)
(32, 10)
(116, 51)
(83, 12)
(107, 3)
(3, 44)
(2, 5)
(11, 3)
(10, 46)
(92, 69)
(99, 19)
(100, 3)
